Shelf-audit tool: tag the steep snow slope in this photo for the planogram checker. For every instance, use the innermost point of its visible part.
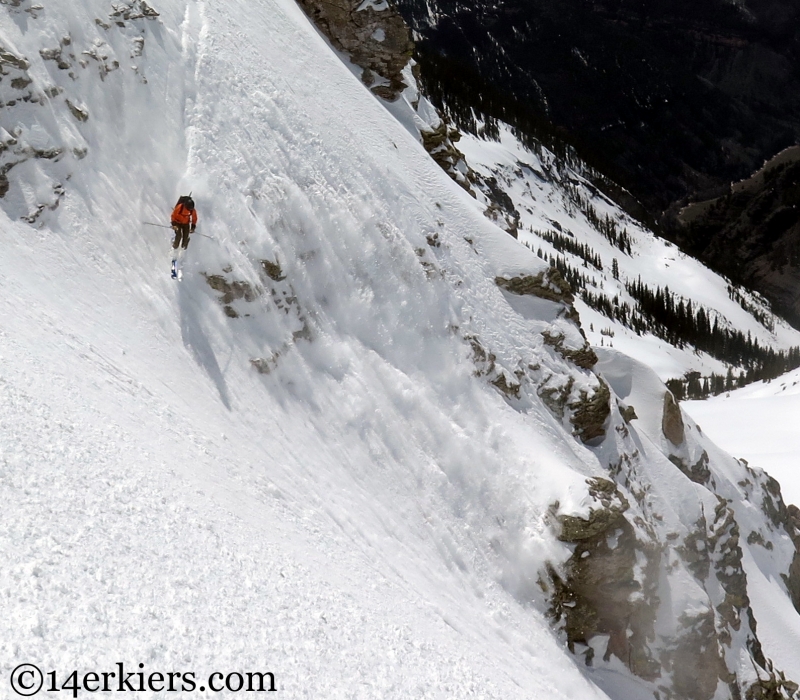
(286, 461)
(170, 505)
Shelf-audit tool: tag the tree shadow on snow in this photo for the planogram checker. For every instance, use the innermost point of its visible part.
(196, 341)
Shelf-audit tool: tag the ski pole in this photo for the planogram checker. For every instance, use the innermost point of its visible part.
(148, 223)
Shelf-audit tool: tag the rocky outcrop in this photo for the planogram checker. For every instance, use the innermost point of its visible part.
(590, 412)
(273, 270)
(48, 77)
(138, 9)
(697, 636)
(599, 593)
(792, 577)
(17, 88)
(672, 420)
(608, 590)
(697, 472)
(697, 663)
(486, 366)
(767, 491)
(628, 413)
(587, 406)
(272, 292)
(439, 141)
(372, 33)
(231, 290)
(583, 357)
(775, 686)
(80, 113)
(548, 284)
(501, 209)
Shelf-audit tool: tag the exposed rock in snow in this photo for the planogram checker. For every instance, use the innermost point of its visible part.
(671, 421)
(374, 35)
(548, 284)
(698, 657)
(607, 591)
(138, 9)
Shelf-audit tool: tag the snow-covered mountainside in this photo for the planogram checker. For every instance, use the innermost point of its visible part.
(677, 98)
(364, 443)
(618, 267)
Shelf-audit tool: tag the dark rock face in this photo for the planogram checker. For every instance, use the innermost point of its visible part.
(787, 517)
(439, 142)
(752, 232)
(697, 472)
(547, 285)
(590, 413)
(584, 357)
(609, 587)
(698, 663)
(374, 35)
(668, 97)
(231, 290)
(672, 421)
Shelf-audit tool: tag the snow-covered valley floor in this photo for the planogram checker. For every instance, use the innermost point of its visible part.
(760, 423)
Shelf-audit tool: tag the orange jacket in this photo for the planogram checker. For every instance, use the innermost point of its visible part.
(181, 215)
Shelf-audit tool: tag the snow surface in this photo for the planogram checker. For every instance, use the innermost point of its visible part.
(343, 521)
(364, 517)
(760, 424)
(778, 628)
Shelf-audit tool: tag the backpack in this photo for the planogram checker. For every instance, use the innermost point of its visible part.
(187, 202)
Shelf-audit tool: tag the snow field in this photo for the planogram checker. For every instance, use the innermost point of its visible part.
(758, 423)
(364, 518)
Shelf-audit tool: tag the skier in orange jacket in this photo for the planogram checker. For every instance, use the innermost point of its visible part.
(184, 222)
